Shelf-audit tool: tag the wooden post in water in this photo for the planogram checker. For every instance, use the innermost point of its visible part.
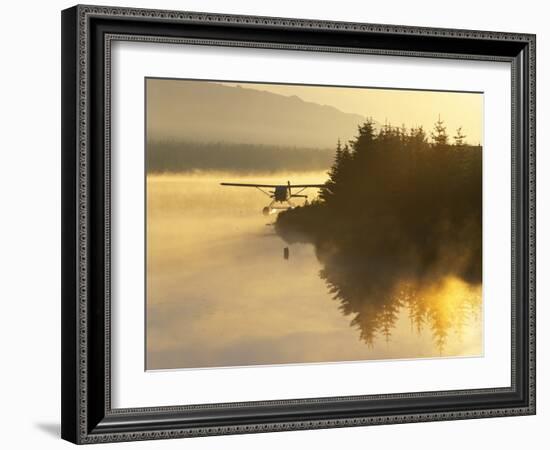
(286, 253)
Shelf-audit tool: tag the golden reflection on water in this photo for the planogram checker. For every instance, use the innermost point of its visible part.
(220, 293)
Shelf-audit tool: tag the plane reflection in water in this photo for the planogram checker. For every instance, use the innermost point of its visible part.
(281, 194)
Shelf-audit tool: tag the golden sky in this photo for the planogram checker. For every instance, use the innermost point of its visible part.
(394, 106)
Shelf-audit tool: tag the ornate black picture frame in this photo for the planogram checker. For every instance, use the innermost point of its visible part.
(87, 34)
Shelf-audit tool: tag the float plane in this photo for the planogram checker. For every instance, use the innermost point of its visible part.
(281, 195)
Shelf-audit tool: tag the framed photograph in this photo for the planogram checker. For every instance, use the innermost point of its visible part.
(278, 224)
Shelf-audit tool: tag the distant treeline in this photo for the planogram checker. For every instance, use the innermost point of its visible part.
(173, 156)
(398, 209)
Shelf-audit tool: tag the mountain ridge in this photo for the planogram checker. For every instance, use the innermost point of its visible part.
(212, 112)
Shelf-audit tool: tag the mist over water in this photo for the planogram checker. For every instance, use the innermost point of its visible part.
(220, 293)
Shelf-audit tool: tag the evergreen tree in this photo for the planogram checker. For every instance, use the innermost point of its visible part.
(460, 137)
(403, 134)
(334, 173)
(365, 137)
(439, 134)
(417, 137)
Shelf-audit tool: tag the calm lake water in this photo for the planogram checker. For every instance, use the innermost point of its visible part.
(220, 292)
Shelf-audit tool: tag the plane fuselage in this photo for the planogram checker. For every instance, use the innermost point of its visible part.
(281, 194)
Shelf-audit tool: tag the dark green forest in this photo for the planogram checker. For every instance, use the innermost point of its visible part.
(182, 156)
(399, 208)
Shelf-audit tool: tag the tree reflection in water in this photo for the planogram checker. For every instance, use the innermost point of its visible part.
(441, 306)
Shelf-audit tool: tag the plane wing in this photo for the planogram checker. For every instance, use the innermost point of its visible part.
(274, 185)
(250, 185)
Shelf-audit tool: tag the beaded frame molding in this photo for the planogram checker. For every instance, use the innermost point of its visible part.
(87, 35)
